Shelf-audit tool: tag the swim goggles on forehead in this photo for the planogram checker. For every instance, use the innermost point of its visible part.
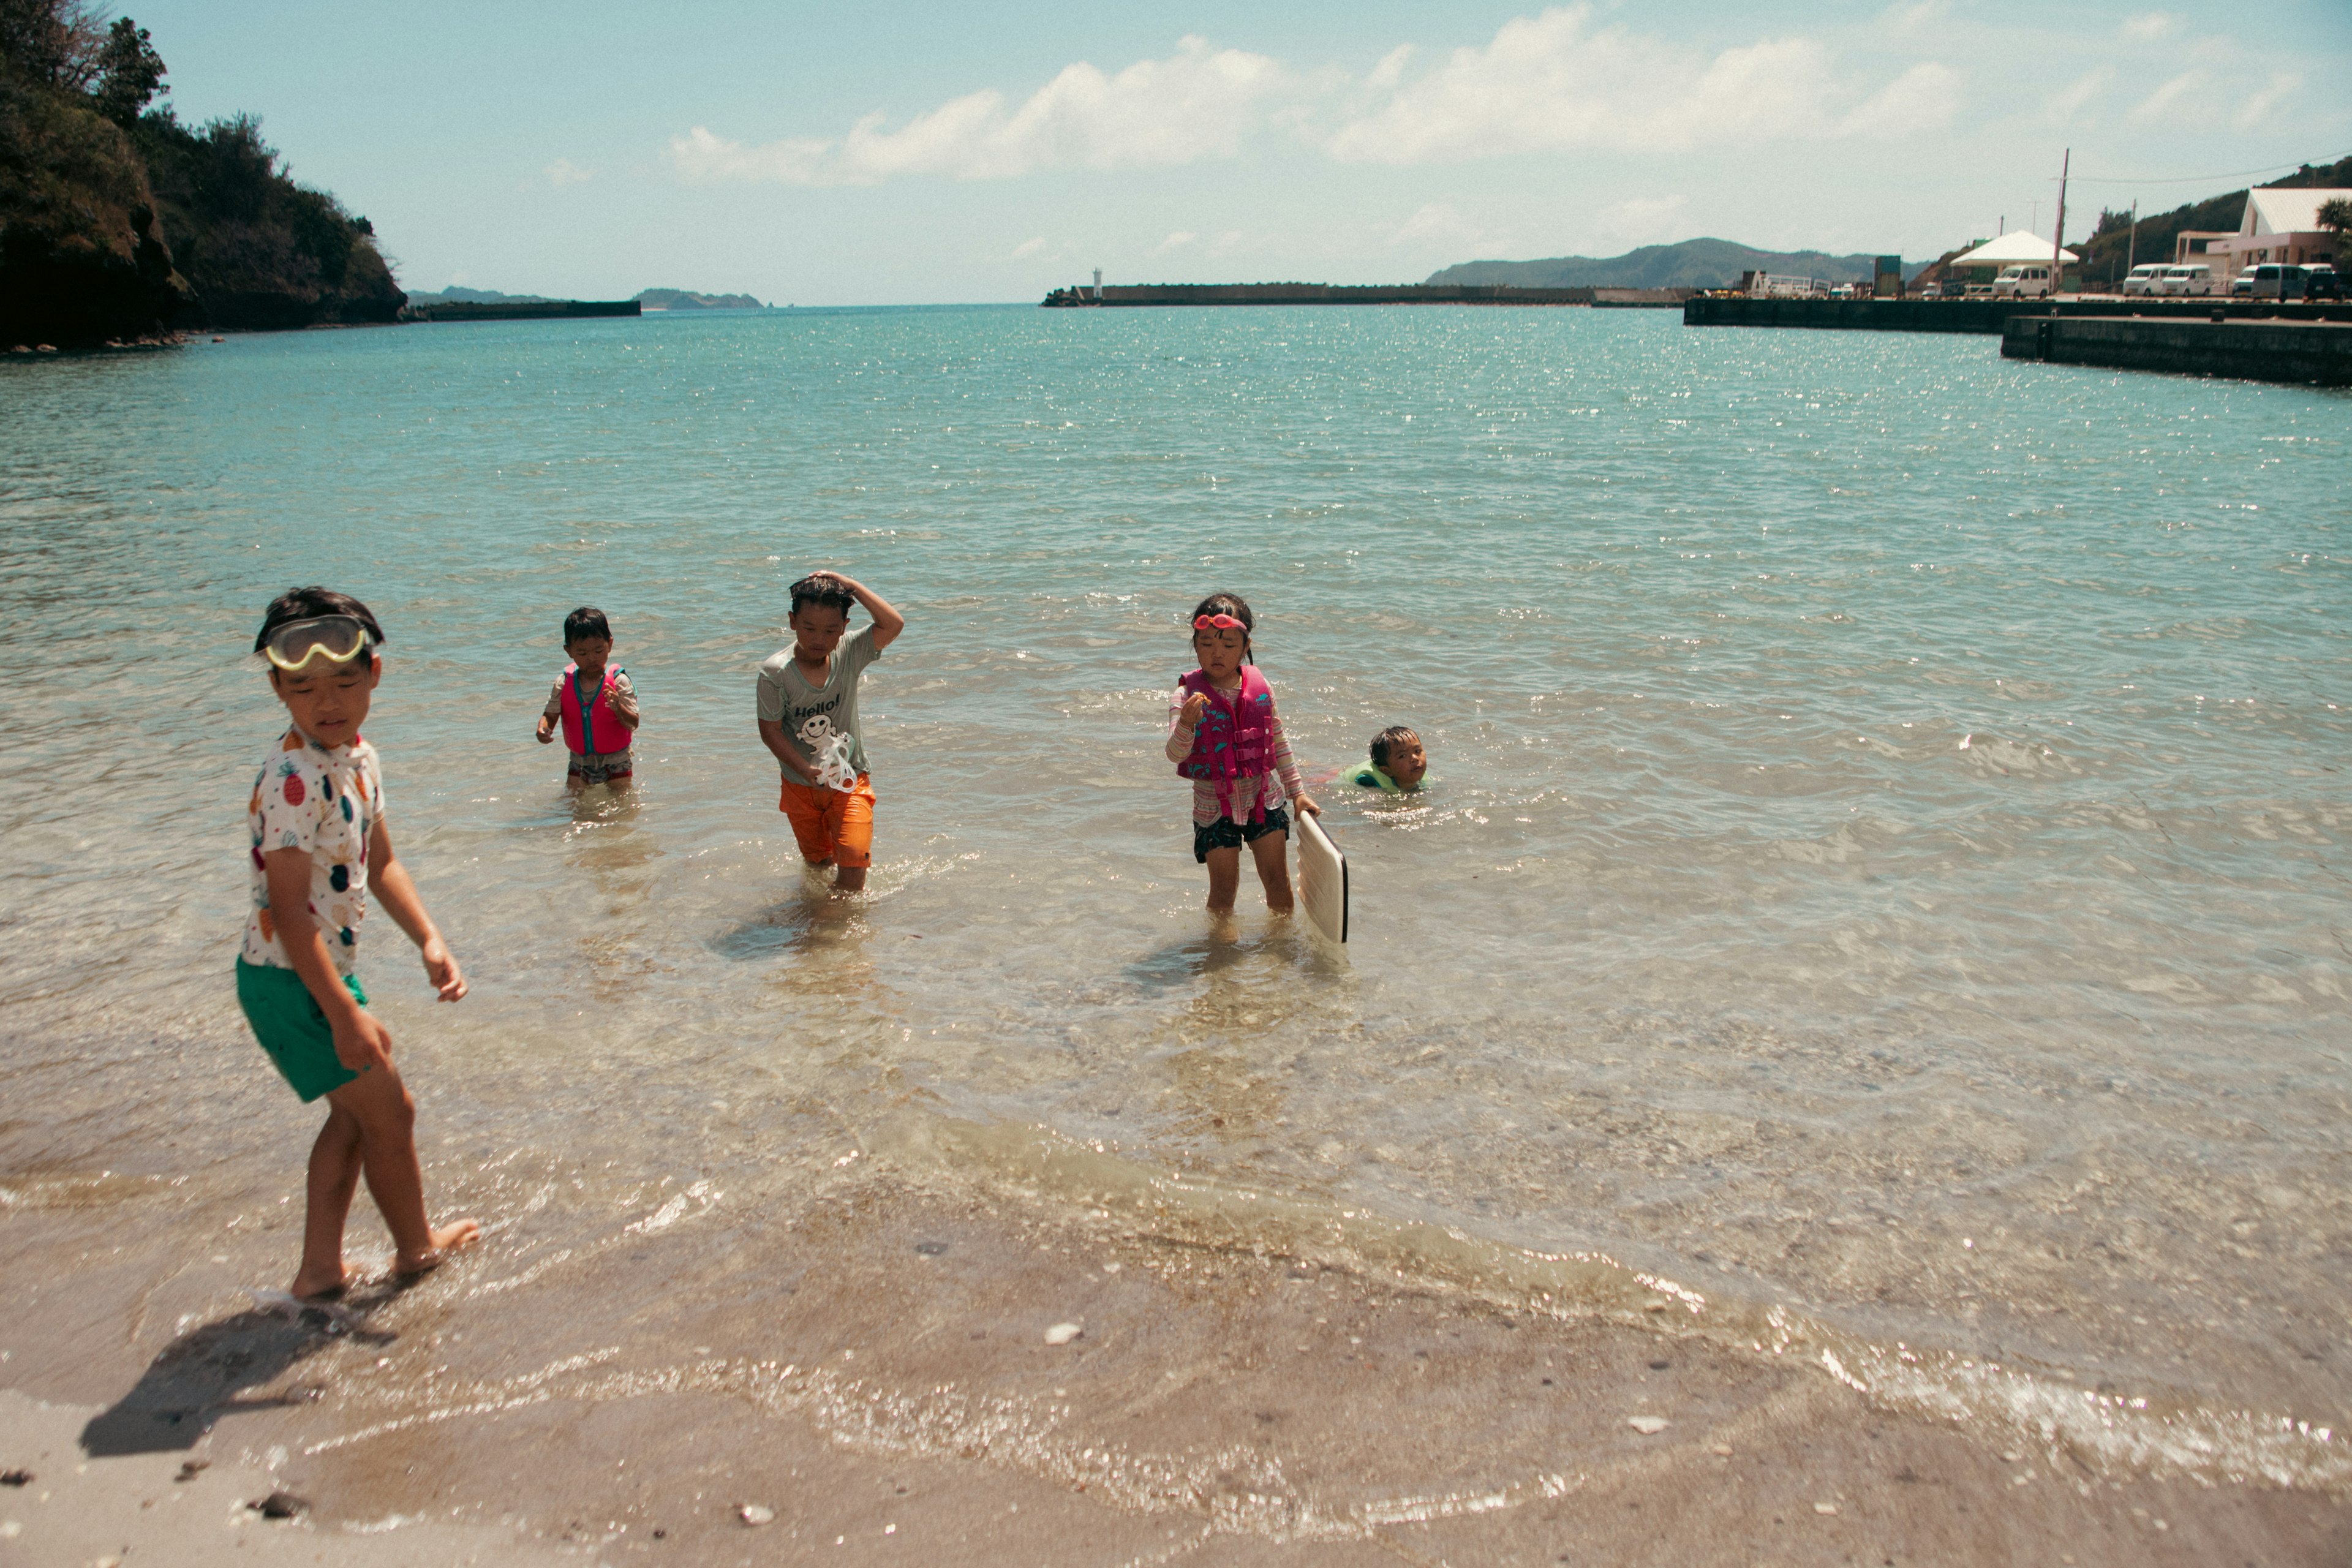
(1203, 623)
(337, 639)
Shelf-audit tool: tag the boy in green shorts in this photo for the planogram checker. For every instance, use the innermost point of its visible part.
(318, 841)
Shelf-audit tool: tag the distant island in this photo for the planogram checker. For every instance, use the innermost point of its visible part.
(686, 300)
(1691, 264)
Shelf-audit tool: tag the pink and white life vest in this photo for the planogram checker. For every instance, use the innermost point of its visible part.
(601, 724)
(1233, 740)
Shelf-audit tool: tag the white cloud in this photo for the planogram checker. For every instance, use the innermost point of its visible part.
(1557, 82)
(1176, 241)
(1196, 104)
(1028, 247)
(1642, 220)
(1436, 222)
(1911, 18)
(2150, 26)
(1924, 97)
(2165, 99)
(1391, 71)
(2258, 107)
(564, 172)
(2072, 101)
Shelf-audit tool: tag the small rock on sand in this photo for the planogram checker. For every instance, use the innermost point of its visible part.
(1721, 1450)
(1063, 1334)
(1825, 1507)
(754, 1513)
(279, 1505)
(15, 1478)
(1647, 1426)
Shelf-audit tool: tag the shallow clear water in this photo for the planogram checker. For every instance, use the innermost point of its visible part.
(1885, 858)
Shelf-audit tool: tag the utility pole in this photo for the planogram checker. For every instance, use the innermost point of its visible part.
(2058, 231)
(2131, 253)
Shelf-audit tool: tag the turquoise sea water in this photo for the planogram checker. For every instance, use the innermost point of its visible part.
(1887, 862)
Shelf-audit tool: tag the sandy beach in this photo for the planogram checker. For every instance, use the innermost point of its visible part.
(874, 1370)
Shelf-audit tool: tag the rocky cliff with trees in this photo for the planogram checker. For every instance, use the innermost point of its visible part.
(119, 222)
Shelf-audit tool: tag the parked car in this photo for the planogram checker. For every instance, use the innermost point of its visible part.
(2143, 279)
(2271, 281)
(2031, 281)
(2178, 281)
(2322, 282)
(1931, 291)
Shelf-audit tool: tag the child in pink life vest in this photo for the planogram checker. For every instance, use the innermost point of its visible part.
(1224, 734)
(595, 704)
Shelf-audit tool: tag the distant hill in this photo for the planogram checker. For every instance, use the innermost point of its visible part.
(456, 295)
(1692, 264)
(687, 300)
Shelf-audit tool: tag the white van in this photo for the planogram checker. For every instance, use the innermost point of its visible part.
(2145, 279)
(2184, 280)
(2026, 282)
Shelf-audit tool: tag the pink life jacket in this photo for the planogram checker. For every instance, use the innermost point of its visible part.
(606, 730)
(1235, 739)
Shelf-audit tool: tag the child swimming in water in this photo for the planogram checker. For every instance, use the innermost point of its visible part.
(1398, 765)
(1224, 734)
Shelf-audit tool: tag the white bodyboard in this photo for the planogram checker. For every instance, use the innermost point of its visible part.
(1322, 880)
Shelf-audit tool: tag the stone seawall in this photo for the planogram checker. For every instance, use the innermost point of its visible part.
(521, 310)
(1973, 315)
(2314, 353)
(1131, 294)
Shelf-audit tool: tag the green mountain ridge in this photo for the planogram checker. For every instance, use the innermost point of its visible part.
(1689, 264)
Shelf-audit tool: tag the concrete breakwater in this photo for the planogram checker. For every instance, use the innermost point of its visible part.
(521, 310)
(1976, 315)
(2309, 352)
(1133, 294)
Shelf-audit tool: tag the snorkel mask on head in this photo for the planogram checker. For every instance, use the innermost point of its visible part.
(339, 639)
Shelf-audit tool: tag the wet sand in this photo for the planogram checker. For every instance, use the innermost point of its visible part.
(873, 1366)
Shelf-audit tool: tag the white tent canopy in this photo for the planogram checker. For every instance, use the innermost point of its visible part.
(2017, 246)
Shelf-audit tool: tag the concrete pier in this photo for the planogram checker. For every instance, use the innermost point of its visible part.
(2311, 352)
(521, 310)
(1972, 315)
(1148, 294)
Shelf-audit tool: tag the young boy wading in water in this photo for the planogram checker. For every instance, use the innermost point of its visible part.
(319, 840)
(808, 718)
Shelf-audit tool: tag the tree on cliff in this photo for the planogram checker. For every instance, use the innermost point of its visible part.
(118, 221)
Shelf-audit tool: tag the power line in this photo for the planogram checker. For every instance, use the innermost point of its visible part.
(2204, 179)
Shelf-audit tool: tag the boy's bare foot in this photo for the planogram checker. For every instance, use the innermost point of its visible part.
(454, 1236)
(322, 1287)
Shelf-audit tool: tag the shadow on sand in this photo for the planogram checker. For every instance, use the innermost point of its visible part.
(202, 1375)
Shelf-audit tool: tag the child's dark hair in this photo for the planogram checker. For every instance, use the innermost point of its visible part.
(1395, 734)
(587, 621)
(830, 591)
(305, 603)
(1232, 605)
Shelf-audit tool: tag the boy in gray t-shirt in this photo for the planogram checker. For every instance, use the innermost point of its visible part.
(808, 718)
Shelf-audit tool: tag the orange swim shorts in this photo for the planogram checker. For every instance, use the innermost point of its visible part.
(831, 824)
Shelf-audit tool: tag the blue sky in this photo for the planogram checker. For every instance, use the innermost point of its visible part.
(834, 154)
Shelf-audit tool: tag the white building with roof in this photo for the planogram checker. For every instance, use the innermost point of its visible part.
(2281, 224)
